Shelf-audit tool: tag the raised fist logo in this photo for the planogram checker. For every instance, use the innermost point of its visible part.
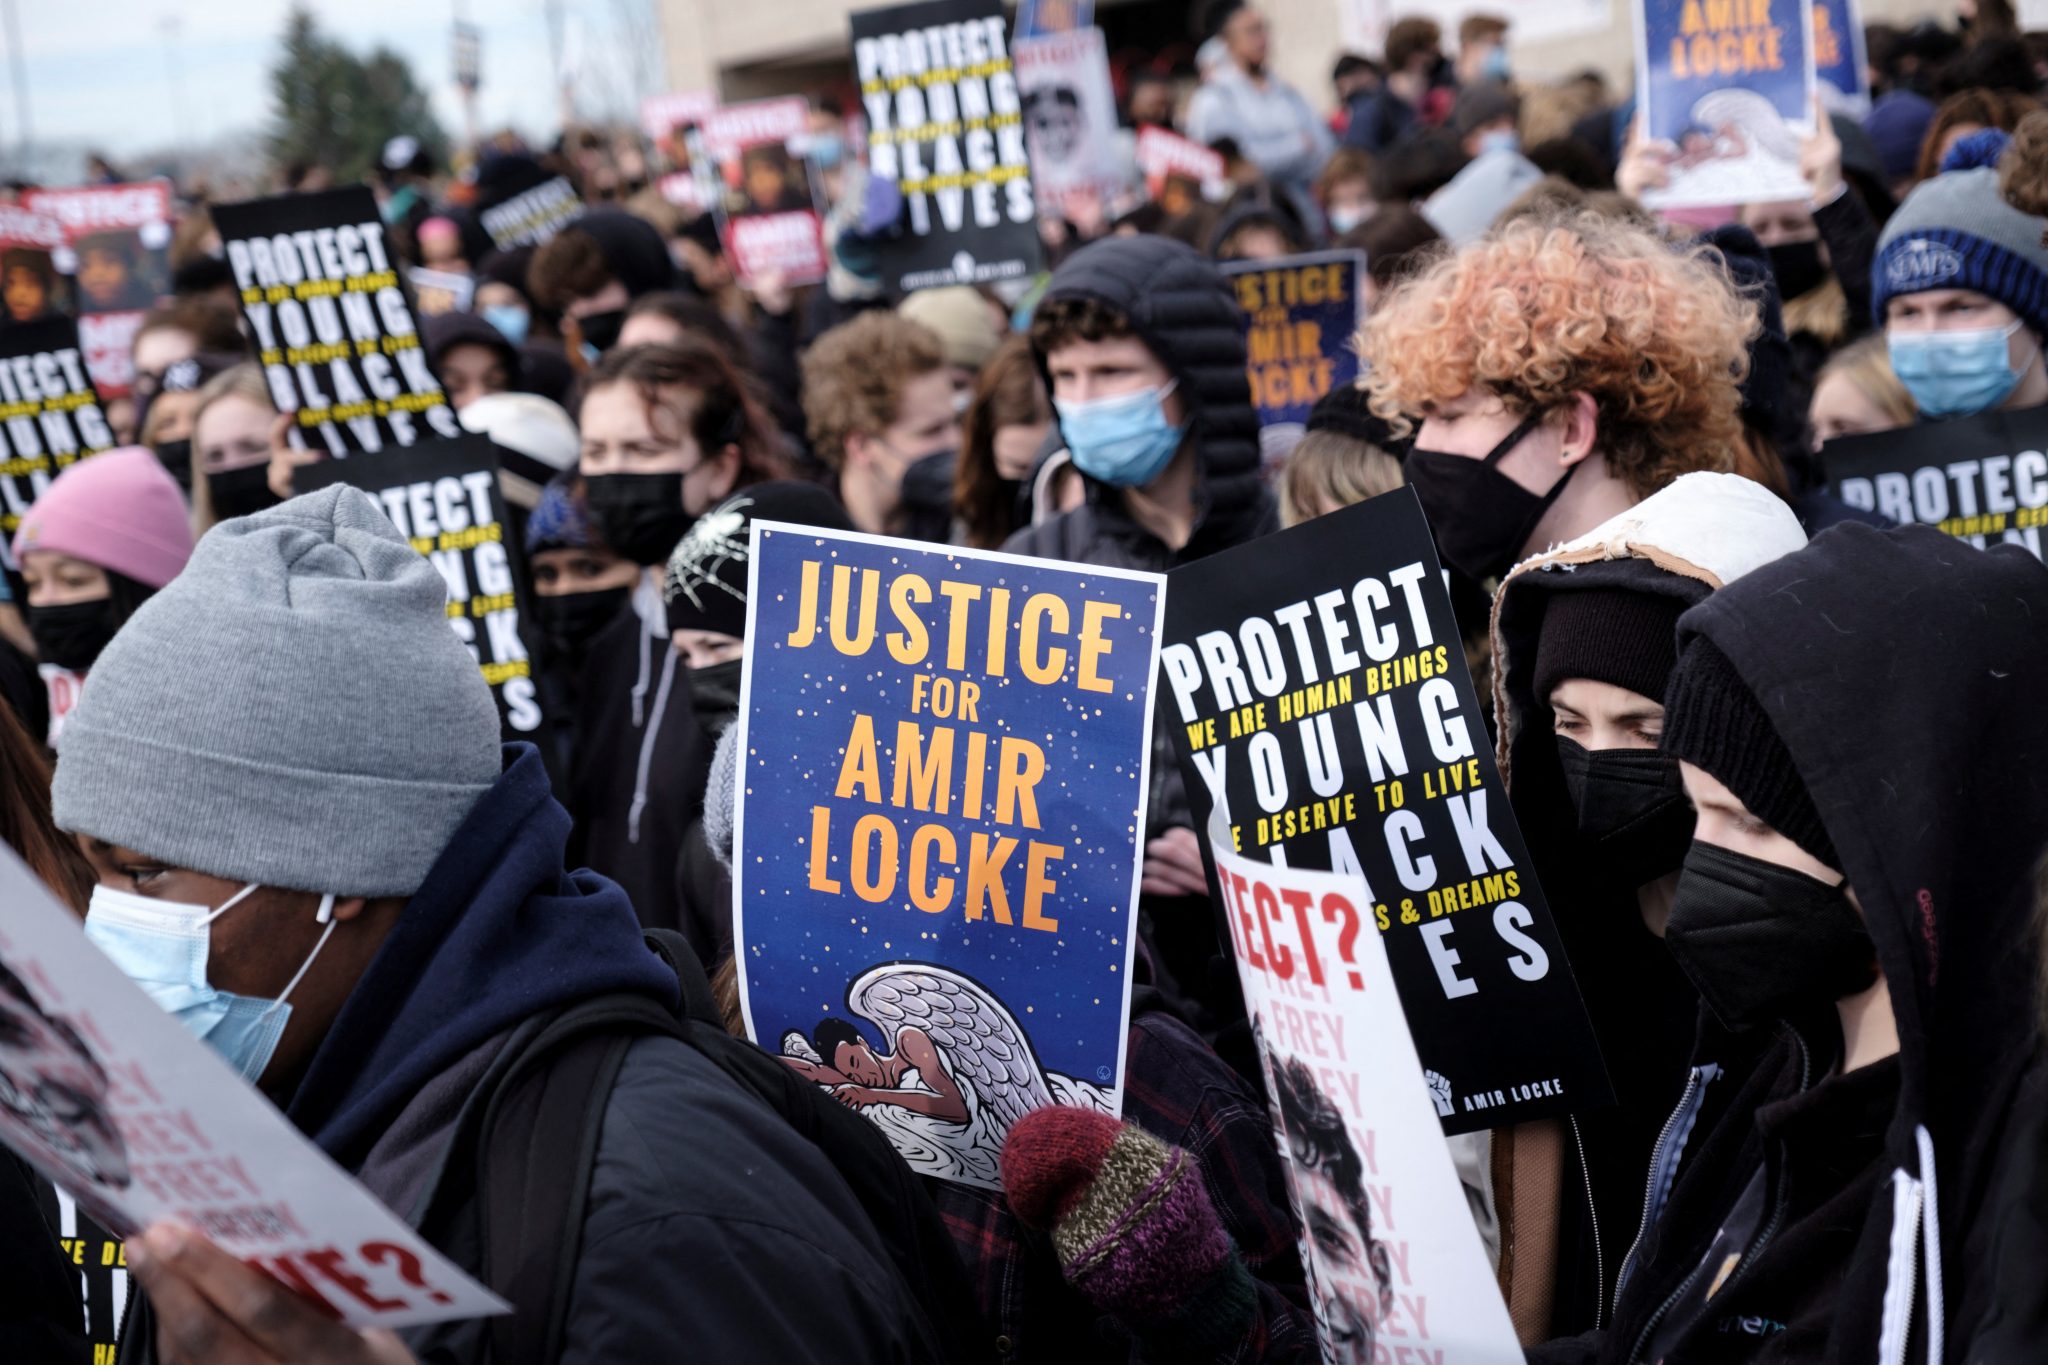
(1440, 1091)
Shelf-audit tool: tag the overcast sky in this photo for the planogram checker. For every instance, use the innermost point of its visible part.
(99, 71)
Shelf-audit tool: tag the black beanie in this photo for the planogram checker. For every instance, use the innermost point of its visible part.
(1347, 411)
(1610, 635)
(706, 583)
(1713, 721)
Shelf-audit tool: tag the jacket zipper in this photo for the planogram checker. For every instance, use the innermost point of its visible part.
(1664, 1160)
(1593, 1213)
(1757, 1244)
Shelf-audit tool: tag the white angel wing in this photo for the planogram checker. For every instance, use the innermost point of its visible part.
(794, 1044)
(1754, 114)
(980, 1040)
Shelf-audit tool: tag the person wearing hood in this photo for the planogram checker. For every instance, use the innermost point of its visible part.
(1851, 911)
(473, 358)
(705, 589)
(1960, 285)
(668, 433)
(591, 271)
(1583, 646)
(878, 399)
(108, 534)
(366, 980)
(1140, 340)
(1560, 370)
(580, 586)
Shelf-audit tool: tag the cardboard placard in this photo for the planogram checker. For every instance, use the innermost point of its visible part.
(1983, 479)
(1727, 91)
(662, 115)
(51, 415)
(140, 1121)
(946, 125)
(443, 496)
(31, 286)
(1078, 158)
(1839, 63)
(1300, 315)
(1317, 687)
(940, 832)
(766, 197)
(327, 311)
(1357, 1126)
(529, 209)
(1180, 174)
(117, 251)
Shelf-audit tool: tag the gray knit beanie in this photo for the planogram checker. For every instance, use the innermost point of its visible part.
(1957, 231)
(292, 709)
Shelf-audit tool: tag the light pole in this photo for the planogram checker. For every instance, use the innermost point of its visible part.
(18, 70)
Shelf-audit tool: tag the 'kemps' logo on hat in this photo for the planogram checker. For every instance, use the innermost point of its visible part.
(1921, 264)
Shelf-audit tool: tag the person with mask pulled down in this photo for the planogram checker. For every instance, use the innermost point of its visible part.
(1859, 730)
(1584, 642)
(1560, 369)
(668, 432)
(313, 851)
(880, 405)
(1960, 285)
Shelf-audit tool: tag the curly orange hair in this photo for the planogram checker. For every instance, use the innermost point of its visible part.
(1569, 302)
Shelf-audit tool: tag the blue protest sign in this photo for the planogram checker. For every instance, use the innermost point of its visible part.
(1300, 314)
(1040, 18)
(1726, 90)
(1838, 61)
(944, 769)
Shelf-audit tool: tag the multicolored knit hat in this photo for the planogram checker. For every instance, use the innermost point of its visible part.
(1957, 231)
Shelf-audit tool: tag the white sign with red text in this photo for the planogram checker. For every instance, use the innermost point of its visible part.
(1394, 1262)
(140, 1122)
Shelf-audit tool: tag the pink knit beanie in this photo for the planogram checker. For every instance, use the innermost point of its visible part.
(120, 510)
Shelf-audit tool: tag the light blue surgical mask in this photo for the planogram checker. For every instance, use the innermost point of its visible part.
(828, 150)
(1500, 140)
(1955, 373)
(1495, 67)
(1124, 440)
(162, 947)
(510, 319)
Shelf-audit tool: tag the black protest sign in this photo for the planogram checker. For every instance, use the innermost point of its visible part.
(50, 414)
(946, 124)
(327, 309)
(529, 215)
(443, 497)
(1983, 479)
(1317, 691)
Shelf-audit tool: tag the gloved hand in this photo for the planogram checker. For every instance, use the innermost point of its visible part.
(1132, 1224)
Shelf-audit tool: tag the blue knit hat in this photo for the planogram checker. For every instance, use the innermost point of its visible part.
(560, 521)
(1957, 231)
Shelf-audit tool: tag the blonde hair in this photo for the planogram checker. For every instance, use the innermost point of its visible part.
(237, 381)
(1328, 470)
(1867, 365)
(1567, 302)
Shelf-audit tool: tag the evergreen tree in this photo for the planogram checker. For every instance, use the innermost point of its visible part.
(336, 109)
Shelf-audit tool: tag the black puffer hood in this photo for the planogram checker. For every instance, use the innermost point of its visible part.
(443, 331)
(632, 247)
(1906, 673)
(1183, 308)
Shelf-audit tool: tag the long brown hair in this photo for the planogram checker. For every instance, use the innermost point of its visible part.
(720, 409)
(1009, 393)
(25, 821)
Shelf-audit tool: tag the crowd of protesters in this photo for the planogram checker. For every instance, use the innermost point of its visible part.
(1780, 763)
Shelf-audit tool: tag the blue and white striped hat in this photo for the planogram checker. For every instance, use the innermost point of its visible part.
(1957, 231)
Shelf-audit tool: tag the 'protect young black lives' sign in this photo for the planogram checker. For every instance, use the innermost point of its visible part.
(1316, 685)
(327, 309)
(50, 414)
(1983, 479)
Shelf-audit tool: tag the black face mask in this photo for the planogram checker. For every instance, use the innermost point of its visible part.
(1632, 810)
(1798, 267)
(715, 695)
(1758, 939)
(239, 492)
(72, 636)
(569, 620)
(176, 458)
(602, 329)
(1481, 517)
(639, 515)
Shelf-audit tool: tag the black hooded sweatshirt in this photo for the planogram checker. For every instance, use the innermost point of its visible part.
(1904, 671)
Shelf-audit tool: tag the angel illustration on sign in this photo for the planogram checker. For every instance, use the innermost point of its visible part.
(954, 1072)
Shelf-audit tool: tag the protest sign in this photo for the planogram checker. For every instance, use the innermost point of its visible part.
(662, 115)
(1078, 161)
(1983, 479)
(1037, 18)
(526, 209)
(50, 415)
(117, 251)
(435, 292)
(1838, 61)
(1359, 1136)
(31, 286)
(763, 195)
(1179, 173)
(140, 1121)
(1300, 314)
(327, 310)
(944, 757)
(1317, 687)
(443, 496)
(946, 126)
(1726, 88)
